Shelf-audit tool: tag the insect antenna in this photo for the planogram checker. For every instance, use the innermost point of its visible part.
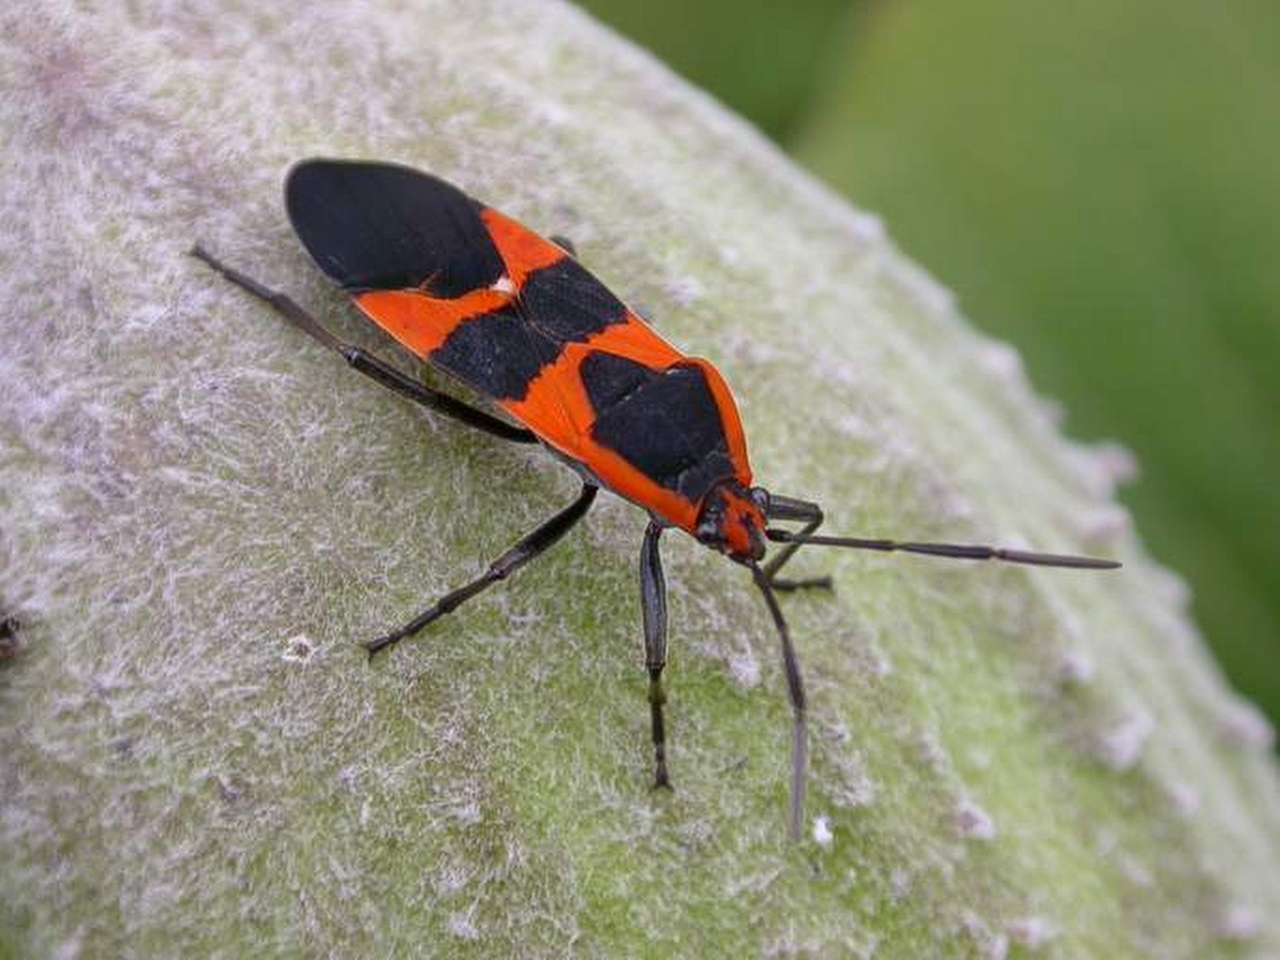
(795, 693)
(955, 551)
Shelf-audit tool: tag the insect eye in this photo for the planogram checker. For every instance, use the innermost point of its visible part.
(707, 532)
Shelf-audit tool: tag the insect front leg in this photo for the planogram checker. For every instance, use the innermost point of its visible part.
(653, 601)
(810, 514)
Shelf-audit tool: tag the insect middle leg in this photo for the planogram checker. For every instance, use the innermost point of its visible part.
(517, 556)
(808, 513)
(366, 363)
(653, 603)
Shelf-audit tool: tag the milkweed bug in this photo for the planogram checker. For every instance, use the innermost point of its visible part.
(517, 318)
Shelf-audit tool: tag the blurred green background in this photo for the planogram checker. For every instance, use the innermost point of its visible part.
(1099, 182)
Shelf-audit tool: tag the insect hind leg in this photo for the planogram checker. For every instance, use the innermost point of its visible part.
(364, 362)
(810, 514)
(524, 550)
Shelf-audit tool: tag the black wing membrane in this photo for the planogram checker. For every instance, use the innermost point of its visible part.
(381, 226)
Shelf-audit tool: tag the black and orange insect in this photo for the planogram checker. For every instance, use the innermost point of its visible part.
(518, 319)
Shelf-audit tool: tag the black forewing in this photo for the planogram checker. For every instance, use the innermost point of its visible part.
(498, 353)
(381, 226)
(664, 423)
(566, 302)
(503, 352)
